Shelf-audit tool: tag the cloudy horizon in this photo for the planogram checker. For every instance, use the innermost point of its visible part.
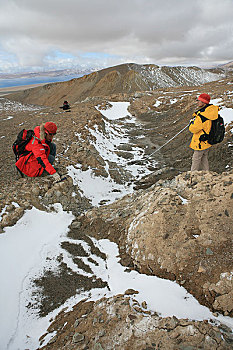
(51, 34)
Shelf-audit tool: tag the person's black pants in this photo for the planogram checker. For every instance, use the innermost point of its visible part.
(52, 153)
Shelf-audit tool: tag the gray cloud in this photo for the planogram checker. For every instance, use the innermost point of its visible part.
(156, 31)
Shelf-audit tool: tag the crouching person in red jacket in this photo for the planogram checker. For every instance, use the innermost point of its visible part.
(40, 153)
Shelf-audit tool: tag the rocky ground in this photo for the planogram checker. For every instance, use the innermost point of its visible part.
(121, 322)
(176, 224)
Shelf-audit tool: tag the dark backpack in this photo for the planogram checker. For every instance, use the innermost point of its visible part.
(20, 143)
(217, 131)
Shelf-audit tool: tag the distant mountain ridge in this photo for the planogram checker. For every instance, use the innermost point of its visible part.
(124, 78)
(227, 65)
(48, 73)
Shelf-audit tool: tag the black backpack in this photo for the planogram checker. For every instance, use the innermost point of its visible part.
(20, 143)
(217, 131)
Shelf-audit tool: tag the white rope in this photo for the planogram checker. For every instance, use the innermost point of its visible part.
(158, 149)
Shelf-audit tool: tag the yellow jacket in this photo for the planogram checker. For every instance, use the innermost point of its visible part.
(202, 125)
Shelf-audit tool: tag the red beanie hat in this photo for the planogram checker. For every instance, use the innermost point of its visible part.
(50, 127)
(204, 98)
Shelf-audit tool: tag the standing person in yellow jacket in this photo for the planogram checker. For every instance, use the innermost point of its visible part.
(201, 125)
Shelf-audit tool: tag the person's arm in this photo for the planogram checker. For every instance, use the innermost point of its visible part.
(196, 126)
(40, 154)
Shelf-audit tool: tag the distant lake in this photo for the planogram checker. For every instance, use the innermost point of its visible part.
(36, 80)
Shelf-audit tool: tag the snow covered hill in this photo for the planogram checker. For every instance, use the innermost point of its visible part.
(161, 77)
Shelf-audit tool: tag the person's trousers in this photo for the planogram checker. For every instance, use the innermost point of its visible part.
(52, 153)
(200, 160)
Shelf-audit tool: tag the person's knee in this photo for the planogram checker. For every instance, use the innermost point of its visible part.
(51, 159)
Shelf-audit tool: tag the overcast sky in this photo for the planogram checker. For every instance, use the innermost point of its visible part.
(58, 34)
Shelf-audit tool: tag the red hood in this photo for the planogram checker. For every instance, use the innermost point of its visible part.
(37, 131)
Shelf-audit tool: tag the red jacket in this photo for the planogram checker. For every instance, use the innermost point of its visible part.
(34, 163)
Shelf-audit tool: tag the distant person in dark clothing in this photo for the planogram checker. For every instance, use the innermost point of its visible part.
(65, 106)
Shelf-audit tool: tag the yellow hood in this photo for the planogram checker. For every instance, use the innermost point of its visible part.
(211, 112)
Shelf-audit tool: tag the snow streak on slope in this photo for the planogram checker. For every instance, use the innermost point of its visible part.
(13, 106)
(160, 77)
(107, 142)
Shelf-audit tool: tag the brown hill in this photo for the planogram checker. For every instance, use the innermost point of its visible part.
(124, 78)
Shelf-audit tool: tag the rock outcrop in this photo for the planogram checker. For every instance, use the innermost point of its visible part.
(121, 322)
(40, 193)
(179, 229)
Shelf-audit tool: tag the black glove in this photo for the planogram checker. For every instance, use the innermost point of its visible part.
(63, 177)
(191, 121)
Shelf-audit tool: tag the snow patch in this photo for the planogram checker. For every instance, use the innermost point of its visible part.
(117, 110)
(157, 103)
(22, 249)
(227, 114)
